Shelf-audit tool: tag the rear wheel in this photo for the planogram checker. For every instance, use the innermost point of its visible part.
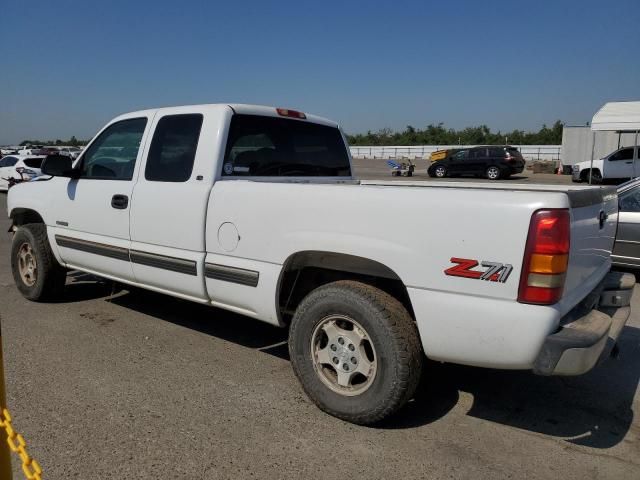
(36, 272)
(356, 351)
(493, 173)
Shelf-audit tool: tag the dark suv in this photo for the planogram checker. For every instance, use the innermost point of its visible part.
(492, 162)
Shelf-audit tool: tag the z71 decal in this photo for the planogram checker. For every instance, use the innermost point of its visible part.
(494, 271)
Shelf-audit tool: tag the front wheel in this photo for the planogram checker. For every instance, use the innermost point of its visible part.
(440, 171)
(36, 272)
(493, 173)
(356, 351)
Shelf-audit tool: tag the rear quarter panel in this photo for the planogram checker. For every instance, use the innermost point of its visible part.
(415, 231)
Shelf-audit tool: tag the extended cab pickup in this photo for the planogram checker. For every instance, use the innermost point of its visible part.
(256, 210)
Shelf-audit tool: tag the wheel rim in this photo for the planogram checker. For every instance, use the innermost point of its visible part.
(343, 355)
(440, 171)
(27, 265)
(493, 173)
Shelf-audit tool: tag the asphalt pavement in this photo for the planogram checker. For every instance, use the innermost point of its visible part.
(113, 383)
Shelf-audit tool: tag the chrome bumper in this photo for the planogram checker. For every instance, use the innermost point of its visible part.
(590, 331)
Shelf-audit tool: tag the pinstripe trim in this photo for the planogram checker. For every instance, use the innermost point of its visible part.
(110, 251)
(179, 265)
(188, 267)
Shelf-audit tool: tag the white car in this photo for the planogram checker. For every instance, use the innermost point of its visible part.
(256, 210)
(72, 152)
(25, 167)
(618, 165)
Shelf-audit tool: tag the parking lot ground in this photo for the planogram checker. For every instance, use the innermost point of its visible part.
(126, 384)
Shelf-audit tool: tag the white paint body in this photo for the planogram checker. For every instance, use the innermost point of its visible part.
(257, 224)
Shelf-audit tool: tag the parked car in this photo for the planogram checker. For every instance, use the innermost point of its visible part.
(626, 251)
(255, 210)
(24, 167)
(30, 150)
(72, 152)
(492, 162)
(616, 166)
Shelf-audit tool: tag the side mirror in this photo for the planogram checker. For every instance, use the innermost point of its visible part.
(59, 166)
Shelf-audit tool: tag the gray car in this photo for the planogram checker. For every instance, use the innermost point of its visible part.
(626, 251)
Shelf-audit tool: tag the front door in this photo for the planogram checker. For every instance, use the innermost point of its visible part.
(620, 164)
(458, 162)
(478, 161)
(92, 231)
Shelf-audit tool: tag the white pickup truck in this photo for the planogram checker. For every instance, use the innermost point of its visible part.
(618, 165)
(256, 210)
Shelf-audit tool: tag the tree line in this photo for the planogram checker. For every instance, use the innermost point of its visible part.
(430, 135)
(439, 135)
(72, 142)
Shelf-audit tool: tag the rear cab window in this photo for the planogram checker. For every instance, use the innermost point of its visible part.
(262, 146)
(173, 148)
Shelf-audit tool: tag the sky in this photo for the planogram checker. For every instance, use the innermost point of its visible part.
(68, 67)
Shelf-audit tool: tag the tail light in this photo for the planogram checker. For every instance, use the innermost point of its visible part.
(546, 257)
(285, 112)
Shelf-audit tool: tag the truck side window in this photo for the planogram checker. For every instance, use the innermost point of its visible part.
(265, 146)
(624, 154)
(173, 148)
(112, 156)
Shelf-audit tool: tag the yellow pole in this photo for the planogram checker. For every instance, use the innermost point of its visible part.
(5, 453)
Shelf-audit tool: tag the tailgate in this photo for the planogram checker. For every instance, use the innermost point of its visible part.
(594, 218)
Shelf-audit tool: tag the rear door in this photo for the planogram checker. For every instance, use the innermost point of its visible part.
(171, 195)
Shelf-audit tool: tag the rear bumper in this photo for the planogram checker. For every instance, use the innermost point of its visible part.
(590, 331)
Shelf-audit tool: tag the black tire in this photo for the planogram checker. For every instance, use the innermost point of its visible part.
(493, 173)
(47, 282)
(596, 177)
(440, 171)
(394, 338)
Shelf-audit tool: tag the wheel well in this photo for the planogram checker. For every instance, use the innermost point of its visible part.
(22, 216)
(306, 271)
(584, 174)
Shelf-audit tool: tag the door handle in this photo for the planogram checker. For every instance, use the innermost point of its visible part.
(120, 202)
(629, 163)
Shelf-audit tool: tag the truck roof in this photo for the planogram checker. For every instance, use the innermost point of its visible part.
(241, 108)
